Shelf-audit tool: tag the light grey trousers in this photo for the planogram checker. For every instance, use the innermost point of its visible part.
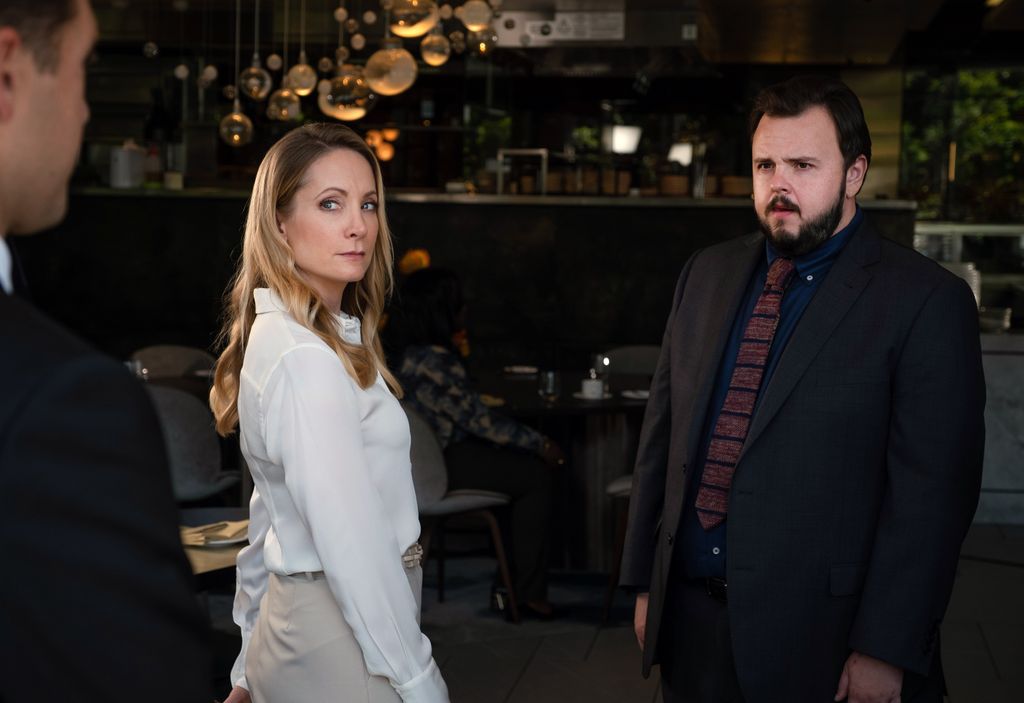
(303, 650)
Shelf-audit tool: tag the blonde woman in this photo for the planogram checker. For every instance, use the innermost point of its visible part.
(328, 589)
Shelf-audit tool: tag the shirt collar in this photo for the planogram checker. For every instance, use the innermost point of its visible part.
(6, 280)
(269, 301)
(821, 258)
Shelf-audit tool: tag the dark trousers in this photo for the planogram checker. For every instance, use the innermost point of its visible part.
(697, 664)
(527, 480)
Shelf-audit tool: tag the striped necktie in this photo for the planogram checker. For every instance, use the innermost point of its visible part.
(734, 419)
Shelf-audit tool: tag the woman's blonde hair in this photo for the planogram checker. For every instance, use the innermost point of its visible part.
(268, 262)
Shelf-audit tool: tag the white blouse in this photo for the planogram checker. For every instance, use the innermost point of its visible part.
(333, 493)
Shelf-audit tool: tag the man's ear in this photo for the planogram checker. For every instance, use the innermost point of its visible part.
(855, 176)
(10, 53)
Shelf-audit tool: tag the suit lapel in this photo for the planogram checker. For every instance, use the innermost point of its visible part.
(842, 286)
(722, 307)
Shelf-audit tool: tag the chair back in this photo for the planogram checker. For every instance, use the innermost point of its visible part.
(429, 473)
(640, 359)
(193, 449)
(172, 361)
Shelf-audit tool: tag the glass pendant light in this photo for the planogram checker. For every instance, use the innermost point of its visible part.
(255, 81)
(236, 127)
(302, 75)
(413, 18)
(391, 69)
(284, 104)
(475, 14)
(348, 97)
(435, 47)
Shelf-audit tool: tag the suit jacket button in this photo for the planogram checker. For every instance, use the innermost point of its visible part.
(670, 538)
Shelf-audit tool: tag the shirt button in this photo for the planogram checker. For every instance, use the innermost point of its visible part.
(810, 278)
(716, 551)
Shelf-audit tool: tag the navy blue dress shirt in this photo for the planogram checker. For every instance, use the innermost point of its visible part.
(703, 551)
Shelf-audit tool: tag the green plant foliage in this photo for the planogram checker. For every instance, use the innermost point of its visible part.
(982, 111)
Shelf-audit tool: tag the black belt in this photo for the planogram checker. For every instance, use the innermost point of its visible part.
(714, 587)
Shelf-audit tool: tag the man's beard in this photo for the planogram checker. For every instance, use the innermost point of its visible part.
(811, 234)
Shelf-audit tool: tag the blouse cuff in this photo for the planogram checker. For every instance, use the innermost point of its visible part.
(428, 687)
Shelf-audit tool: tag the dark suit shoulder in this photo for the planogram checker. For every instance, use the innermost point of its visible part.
(915, 277)
(36, 350)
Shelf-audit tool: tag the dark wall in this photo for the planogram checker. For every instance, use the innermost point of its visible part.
(545, 283)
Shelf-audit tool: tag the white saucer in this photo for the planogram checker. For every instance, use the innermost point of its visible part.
(579, 396)
(637, 394)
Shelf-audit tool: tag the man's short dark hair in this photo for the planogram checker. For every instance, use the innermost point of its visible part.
(793, 97)
(39, 23)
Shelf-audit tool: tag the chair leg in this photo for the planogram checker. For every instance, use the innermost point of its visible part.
(440, 560)
(499, 551)
(621, 514)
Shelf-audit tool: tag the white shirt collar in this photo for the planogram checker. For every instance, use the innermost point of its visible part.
(6, 281)
(269, 301)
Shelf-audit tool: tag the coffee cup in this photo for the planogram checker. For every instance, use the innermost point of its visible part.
(592, 389)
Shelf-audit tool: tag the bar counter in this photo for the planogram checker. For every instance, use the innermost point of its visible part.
(549, 279)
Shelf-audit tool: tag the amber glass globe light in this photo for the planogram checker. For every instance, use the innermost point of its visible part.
(435, 49)
(385, 151)
(284, 105)
(391, 69)
(413, 18)
(236, 128)
(476, 15)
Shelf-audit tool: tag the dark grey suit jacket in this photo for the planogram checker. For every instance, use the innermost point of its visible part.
(859, 476)
(96, 597)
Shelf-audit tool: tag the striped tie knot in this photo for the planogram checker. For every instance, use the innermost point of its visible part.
(779, 274)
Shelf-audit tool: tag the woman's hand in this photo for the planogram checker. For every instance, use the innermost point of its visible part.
(238, 695)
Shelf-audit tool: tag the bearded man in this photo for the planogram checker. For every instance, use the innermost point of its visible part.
(811, 453)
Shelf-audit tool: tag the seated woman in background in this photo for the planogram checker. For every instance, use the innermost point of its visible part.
(483, 449)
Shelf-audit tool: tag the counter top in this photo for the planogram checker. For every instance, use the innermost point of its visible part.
(481, 199)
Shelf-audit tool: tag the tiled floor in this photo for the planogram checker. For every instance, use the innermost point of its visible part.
(576, 658)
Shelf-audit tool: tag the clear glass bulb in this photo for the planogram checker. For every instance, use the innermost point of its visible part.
(358, 41)
(391, 69)
(284, 105)
(413, 18)
(302, 77)
(476, 15)
(274, 62)
(255, 81)
(340, 14)
(348, 97)
(325, 64)
(236, 128)
(435, 49)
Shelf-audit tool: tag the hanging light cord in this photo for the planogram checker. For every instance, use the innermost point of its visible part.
(302, 28)
(285, 68)
(256, 35)
(238, 34)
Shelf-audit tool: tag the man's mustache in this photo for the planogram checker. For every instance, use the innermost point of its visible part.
(784, 202)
